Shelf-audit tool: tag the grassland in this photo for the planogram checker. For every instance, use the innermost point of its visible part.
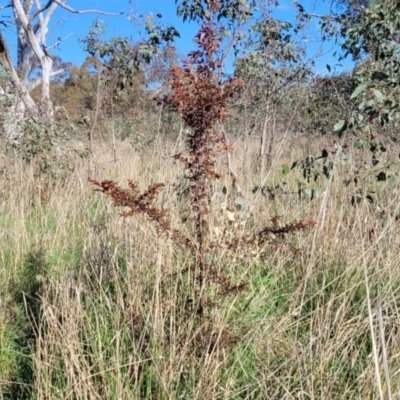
(94, 306)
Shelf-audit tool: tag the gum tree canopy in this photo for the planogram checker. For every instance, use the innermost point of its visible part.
(30, 20)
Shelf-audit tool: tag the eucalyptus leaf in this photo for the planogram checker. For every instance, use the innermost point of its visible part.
(359, 89)
(339, 125)
(379, 95)
(308, 192)
(361, 143)
(241, 202)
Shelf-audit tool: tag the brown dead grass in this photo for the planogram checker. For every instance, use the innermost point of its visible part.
(116, 318)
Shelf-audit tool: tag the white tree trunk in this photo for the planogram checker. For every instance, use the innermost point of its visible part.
(46, 108)
(20, 100)
(31, 21)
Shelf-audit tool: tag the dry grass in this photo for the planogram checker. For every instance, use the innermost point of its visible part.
(106, 311)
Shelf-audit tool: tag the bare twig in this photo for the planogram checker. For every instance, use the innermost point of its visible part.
(72, 10)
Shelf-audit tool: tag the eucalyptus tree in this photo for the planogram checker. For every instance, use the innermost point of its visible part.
(272, 63)
(30, 21)
(369, 32)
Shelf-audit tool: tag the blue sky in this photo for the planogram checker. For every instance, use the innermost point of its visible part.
(71, 27)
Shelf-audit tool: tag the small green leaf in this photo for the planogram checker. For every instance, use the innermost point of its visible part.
(361, 143)
(359, 89)
(241, 202)
(339, 125)
(308, 192)
(378, 94)
(285, 169)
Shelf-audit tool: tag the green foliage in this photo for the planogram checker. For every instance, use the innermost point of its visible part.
(41, 145)
(231, 11)
(157, 37)
(316, 173)
(119, 53)
(117, 60)
(8, 93)
(329, 97)
(365, 102)
(26, 306)
(267, 57)
(373, 115)
(372, 33)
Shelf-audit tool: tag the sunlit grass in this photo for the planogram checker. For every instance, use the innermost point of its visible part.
(94, 306)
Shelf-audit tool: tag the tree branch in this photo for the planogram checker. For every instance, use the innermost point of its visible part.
(6, 6)
(59, 40)
(323, 16)
(34, 84)
(41, 19)
(46, 20)
(5, 60)
(40, 10)
(72, 10)
(26, 24)
(57, 72)
(53, 4)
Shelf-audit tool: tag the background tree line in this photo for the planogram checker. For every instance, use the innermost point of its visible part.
(121, 76)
